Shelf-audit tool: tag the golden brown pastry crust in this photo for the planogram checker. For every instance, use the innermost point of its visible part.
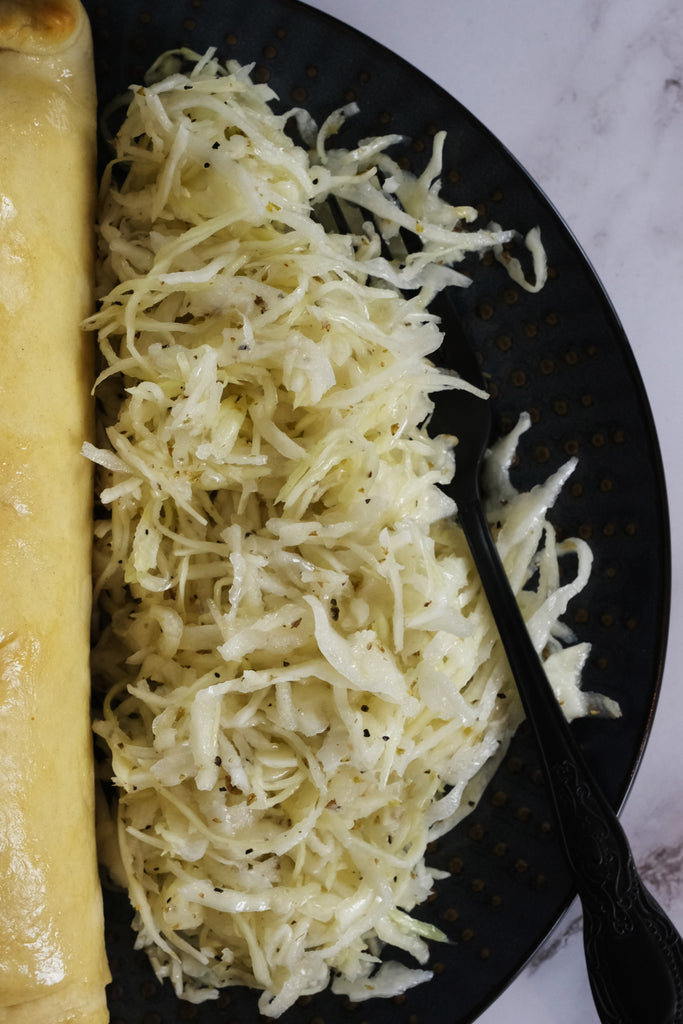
(39, 26)
(53, 966)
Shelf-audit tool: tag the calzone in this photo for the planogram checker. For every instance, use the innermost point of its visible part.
(53, 966)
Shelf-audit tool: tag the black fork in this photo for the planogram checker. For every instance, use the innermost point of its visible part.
(634, 955)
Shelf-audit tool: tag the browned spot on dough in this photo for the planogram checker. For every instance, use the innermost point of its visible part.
(35, 26)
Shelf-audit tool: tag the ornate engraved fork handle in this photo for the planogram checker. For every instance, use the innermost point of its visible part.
(634, 954)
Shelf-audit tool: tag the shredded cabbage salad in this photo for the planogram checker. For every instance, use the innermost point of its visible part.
(305, 686)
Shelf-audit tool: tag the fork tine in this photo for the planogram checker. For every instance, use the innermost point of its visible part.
(467, 417)
(339, 214)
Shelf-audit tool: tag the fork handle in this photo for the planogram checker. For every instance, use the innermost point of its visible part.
(634, 955)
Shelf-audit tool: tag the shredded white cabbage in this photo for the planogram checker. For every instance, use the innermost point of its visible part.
(305, 685)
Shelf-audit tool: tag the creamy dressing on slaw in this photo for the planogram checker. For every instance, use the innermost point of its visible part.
(304, 683)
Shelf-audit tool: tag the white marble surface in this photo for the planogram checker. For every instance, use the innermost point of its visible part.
(589, 97)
